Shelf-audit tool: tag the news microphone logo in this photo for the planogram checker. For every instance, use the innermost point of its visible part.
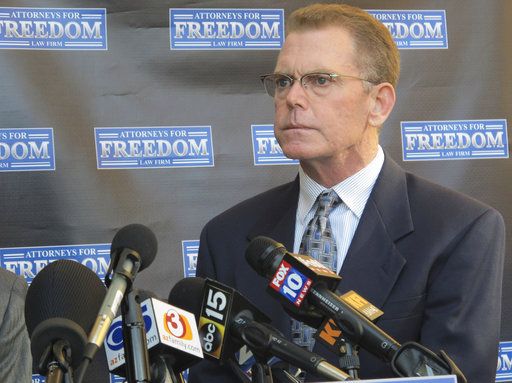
(220, 28)
(27, 150)
(504, 369)
(154, 147)
(28, 261)
(290, 283)
(177, 325)
(53, 28)
(212, 322)
(266, 149)
(189, 249)
(454, 140)
(165, 325)
(415, 29)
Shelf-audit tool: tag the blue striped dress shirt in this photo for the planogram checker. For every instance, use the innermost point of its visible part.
(353, 191)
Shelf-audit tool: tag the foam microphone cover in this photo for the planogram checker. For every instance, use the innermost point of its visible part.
(187, 294)
(62, 302)
(138, 238)
(264, 255)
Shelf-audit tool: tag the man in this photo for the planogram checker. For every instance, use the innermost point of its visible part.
(15, 356)
(430, 258)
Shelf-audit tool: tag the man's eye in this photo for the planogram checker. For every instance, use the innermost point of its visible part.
(319, 80)
(283, 82)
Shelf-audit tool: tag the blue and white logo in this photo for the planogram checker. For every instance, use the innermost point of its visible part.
(418, 29)
(504, 370)
(220, 28)
(113, 379)
(28, 261)
(189, 251)
(266, 149)
(26, 150)
(454, 140)
(114, 338)
(53, 28)
(154, 147)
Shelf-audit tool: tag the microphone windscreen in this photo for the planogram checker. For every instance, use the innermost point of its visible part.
(187, 294)
(139, 238)
(64, 289)
(262, 254)
(62, 302)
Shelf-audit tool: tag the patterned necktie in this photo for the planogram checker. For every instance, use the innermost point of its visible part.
(318, 243)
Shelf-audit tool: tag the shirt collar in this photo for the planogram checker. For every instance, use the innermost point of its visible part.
(353, 191)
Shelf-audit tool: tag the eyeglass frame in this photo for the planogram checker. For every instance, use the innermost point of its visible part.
(293, 79)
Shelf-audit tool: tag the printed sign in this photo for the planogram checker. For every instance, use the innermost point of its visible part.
(266, 149)
(53, 28)
(189, 251)
(154, 147)
(219, 28)
(504, 370)
(430, 379)
(454, 140)
(418, 29)
(28, 261)
(26, 150)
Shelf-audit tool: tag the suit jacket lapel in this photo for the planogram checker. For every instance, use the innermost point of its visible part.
(279, 222)
(373, 263)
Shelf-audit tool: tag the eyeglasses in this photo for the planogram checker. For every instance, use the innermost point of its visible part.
(320, 84)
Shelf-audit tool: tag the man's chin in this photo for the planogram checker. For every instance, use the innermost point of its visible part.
(297, 154)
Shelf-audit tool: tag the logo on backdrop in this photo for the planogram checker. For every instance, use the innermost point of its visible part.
(266, 149)
(154, 147)
(504, 369)
(220, 28)
(53, 28)
(418, 29)
(454, 140)
(189, 251)
(26, 150)
(113, 379)
(28, 261)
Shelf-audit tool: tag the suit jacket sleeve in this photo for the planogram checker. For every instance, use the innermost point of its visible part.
(15, 356)
(463, 307)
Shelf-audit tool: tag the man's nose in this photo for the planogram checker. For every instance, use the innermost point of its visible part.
(296, 96)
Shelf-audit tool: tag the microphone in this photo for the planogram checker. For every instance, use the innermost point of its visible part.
(60, 310)
(133, 249)
(290, 276)
(223, 313)
(172, 339)
(304, 286)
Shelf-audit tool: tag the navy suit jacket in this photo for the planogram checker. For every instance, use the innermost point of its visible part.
(429, 257)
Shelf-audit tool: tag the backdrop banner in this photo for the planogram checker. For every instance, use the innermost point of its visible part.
(152, 112)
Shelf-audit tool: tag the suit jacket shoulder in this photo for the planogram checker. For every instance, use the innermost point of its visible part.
(15, 357)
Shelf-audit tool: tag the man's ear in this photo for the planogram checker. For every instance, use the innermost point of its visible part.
(383, 101)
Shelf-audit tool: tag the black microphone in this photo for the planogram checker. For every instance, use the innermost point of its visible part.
(133, 249)
(60, 309)
(304, 286)
(291, 274)
(223, 313)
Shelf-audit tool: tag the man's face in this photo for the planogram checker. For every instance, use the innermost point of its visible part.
(326, 128)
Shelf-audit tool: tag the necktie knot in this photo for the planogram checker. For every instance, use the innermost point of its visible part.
(327, 201)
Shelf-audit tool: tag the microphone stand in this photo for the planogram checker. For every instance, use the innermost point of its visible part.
(261, 372)
(56, 360)
(134, 332)
(134, 338)
(349, 359)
